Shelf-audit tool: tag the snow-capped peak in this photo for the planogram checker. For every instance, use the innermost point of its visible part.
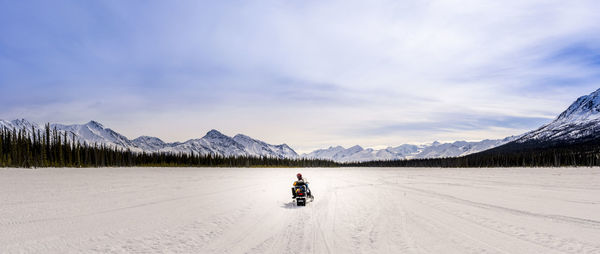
(150, 144)
(243, 137)
(581, 121)
(148, 138)
(260, 148)
(95, 125)
(214, 134)
(21, 122)
(355, 149)
(584, 108)
(19, 125)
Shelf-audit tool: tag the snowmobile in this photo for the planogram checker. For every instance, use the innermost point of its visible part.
(301, 194)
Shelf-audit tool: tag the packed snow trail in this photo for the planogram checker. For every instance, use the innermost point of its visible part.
(356, 210)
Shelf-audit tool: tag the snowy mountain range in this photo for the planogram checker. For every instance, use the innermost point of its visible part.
(217, 143)
(433, 150)
(579, 123)
(213, 142)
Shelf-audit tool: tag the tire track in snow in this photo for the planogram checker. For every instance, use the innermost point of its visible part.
(156, 202)
(394, 204)
(320, 207)
(582, 222)
(545, 240)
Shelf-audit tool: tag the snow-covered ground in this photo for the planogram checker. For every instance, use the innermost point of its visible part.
(359, 210)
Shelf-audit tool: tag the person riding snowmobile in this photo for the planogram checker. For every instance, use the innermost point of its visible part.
(301, 182)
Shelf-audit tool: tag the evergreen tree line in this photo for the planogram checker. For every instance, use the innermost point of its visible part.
(513, 155)
(52, 148)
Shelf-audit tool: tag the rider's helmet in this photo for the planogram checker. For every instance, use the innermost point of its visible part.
(299, 176)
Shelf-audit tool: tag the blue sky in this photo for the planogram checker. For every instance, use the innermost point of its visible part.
(308, 73)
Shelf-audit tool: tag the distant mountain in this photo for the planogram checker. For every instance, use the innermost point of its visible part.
(341, 154)
(263, 149)
(579, 123)
(95, 133)
(19, 124)
(407, 151)
(147, 143)
(213, 142)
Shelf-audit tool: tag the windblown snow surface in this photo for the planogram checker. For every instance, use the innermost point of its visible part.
(356, 210)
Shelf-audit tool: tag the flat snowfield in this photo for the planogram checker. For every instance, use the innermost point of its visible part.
(356, 210)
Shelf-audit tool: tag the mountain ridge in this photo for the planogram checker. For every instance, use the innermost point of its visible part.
(406, 151)
(213, 143)
(217, 143)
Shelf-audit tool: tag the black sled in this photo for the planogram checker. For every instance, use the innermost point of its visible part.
(301, 196)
